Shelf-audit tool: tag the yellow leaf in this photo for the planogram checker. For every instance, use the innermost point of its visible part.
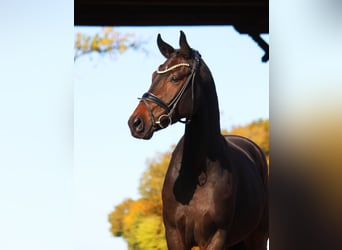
(122, 48)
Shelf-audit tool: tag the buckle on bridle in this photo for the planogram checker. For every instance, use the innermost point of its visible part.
(161, 121)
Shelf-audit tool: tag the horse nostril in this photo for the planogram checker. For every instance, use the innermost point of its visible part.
(138, 124)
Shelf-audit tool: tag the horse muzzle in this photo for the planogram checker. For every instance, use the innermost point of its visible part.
(140, 128)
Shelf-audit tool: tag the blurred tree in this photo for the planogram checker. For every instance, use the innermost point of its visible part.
(136, 228)
(116, 218)
(139, 222)
(152, 179)
(150, 233)
(107, 41)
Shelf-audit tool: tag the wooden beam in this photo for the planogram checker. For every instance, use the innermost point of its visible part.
(247, 16)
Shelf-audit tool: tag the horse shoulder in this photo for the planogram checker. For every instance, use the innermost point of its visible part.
(244, 147)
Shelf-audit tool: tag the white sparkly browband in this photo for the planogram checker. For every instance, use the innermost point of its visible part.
(171, 68)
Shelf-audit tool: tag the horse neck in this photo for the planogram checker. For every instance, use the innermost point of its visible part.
(202, 138)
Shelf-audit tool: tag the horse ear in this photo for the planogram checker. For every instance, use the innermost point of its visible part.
(182, 42)
(164, 48)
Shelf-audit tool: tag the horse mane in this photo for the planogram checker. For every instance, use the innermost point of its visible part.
(208, 106)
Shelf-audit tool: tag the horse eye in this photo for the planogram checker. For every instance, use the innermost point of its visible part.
(174, 78)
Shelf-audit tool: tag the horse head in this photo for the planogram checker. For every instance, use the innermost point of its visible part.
(170, 97)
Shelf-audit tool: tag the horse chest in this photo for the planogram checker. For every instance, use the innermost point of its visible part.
(199, 212)
(208, 208)
(209, 198)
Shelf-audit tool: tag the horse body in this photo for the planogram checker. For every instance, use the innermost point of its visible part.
(215, 201)
(215, 189)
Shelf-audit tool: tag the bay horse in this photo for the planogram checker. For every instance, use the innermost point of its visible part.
(215, 192)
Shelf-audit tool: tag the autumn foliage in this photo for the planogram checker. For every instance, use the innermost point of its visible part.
(106, 42)
(139, 221)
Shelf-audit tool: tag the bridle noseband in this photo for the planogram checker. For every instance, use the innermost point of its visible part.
(165, 120)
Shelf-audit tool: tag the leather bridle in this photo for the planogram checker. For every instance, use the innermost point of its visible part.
(165, 120)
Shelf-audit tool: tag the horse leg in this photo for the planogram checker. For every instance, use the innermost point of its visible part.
(218, 241)
(174, 240)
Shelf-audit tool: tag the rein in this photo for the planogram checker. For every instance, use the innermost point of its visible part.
(165, 120)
